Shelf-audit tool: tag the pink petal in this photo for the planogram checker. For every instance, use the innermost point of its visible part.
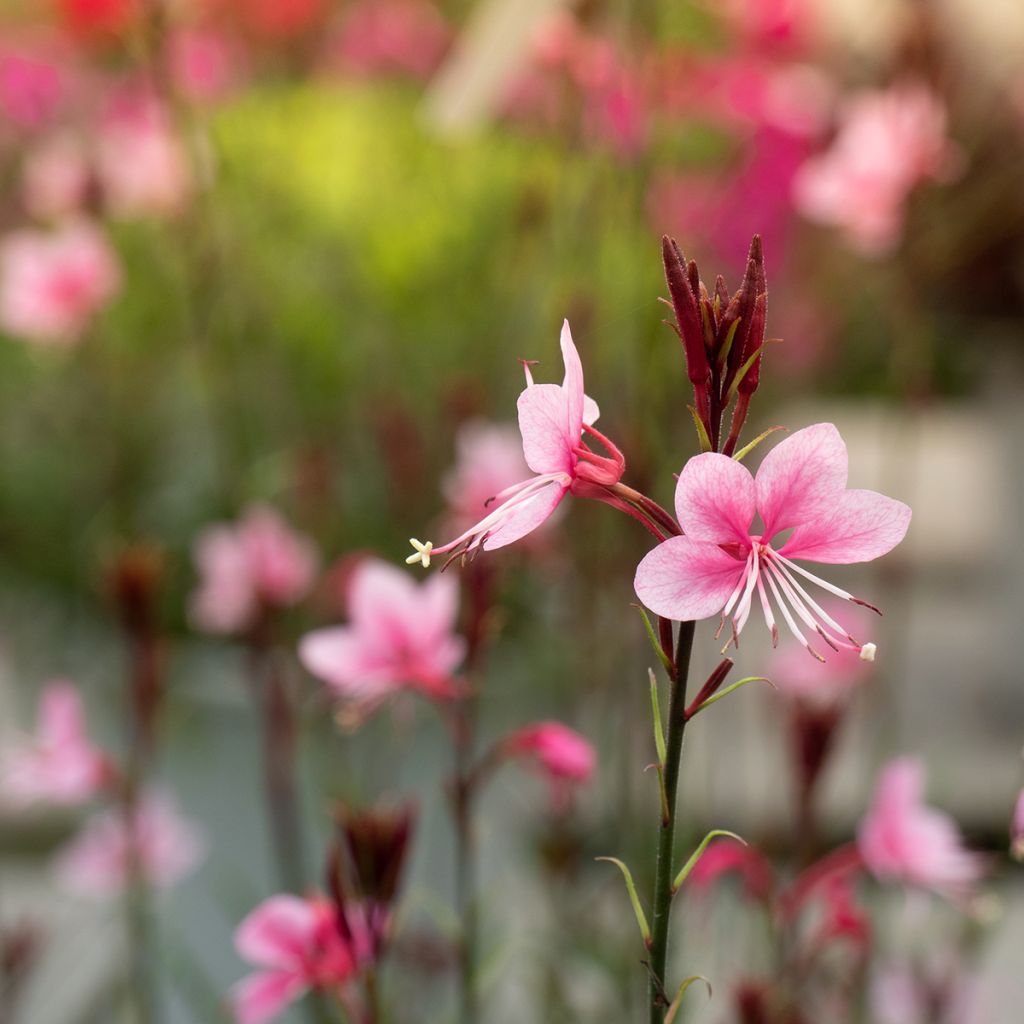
(543, 418)
(527, 516)
(61, 716)
(439, 604)
(261, 997)
(572, 385)
(685, 579)
(384, 605)
(591, 412)
(715, 499)
(802, 478)
(278, 933)
(338, 656)
(862, 526)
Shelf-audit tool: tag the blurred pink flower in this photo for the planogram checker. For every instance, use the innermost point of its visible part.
(140, 161)
(552, 420)
(245, 566)
(204, 64)
(53, 282)
(55, 177)
(562, 755)
(161, 846)
(887, 143)
(725, 856)
(59, 764)
(297, 946)
(1017, 829)
(400, 635)
(718, 564)
(31, 88)
(902, 840)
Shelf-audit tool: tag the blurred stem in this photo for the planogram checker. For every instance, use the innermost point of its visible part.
(662, 901)
(464, 728)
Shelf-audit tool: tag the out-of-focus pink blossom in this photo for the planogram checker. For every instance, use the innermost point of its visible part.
(273, 21)
(400, 635)
(204, 64)
(933, 993)
(55, 177)
(887, 143)
(94, 19)
(902, 840)
(1017, 829)
(31, 88)
(140, 161)
(562, 755)
(159, 847)
(59, 764)
(726, 856)
(53, 282)
(391, 37)
(297, 946)
(245, 566)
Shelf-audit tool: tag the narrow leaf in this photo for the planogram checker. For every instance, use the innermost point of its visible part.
(702, 434)
(638, 910)
(729, 689)
(658, 650)
(670, 1015)
(747, 449)
(659, 732)
(730, 337)
(696, 855)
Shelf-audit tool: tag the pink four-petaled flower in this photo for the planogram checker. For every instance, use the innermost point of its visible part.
(719, 563)
(552, 420)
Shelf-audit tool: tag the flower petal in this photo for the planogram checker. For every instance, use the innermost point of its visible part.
(685, 579)
(802, 478)
(543, 418)
(715, 499)
(527, 516)
(261, 997)
(863, 525)
(278, 933)
(338, 656)
(572, 384)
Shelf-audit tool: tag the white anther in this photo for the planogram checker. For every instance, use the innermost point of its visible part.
(867, 652)
(421, 554)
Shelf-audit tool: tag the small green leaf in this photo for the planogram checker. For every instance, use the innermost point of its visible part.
(702, 434)
(659, 732)
(745, 368)
(638, 910)
(729, 689)
(670, 1014)
(727, 344)
(696, 855)
(747, 449)
(653, 637)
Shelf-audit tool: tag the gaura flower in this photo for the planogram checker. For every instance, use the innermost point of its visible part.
(160, 846)
(400, 634)
(564, 757)
(902, 840)
(553, 419)
(59, 764)
(258, 561)
(296, 945)
(719, 563)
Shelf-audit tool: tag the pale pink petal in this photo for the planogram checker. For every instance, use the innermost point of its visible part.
(439, 604)
(543, 415)
(685, 579)
(261, 997)
(278, 933)
(61, 716)
(801, 478)
(862, 526)
(715, 499)
(339, 657)
(591, 412)
(384, 604)
(573, 385)
(527, 516)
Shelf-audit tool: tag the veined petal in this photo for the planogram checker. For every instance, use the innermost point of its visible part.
(715, 499)
(526, 517)
(572, 384)
(862, 526)
(277, 933)
(543, 419)
(801, 478)
(685, 579)
(261, 997)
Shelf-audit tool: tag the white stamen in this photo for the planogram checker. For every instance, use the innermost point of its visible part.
(739, 587)
(743, 608)
(769, 619)
(821, 613)
(867, 652)
(789, 620)
(421, 554)
(824, 584)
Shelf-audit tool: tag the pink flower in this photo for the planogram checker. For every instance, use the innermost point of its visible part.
(160, 845)
(902, 840)
(887, 143)
(1017, 829)
(55, 177)
(255, 563)
(31, 88)
(52, 283)
(725, 856)
(552, 420)
(400, 634)
(716, 567)
(203, 64)
(297, 945)
(561, 752)
(58, 765)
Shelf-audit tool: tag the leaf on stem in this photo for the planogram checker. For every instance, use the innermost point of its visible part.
(729, 689)
(638, 910)
(659, 732)
(702, 433)
(652, 636)
(696, 855)
(748, 448)
(673, 1009)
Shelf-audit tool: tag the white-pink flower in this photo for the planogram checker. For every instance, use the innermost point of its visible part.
(245, 566)
(888, 142)
(560, 752)
(52, 283)
(400, 634)
(552, 420)
(902, 840)
(719, 563)
(55, 177)
(159, 846)
(59, 764)
(296, 945)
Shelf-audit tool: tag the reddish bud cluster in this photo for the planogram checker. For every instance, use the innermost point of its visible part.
(723, 339)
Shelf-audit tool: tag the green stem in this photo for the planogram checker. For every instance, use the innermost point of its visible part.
(465, 866)
(662, 901)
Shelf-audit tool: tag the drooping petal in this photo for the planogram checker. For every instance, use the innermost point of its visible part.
(259, 998)
(572, 384)
(801, 478)
(278, 933)
(685, 579)
(715, 499)
(527, 516)
(862, 526)
(543, 418)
